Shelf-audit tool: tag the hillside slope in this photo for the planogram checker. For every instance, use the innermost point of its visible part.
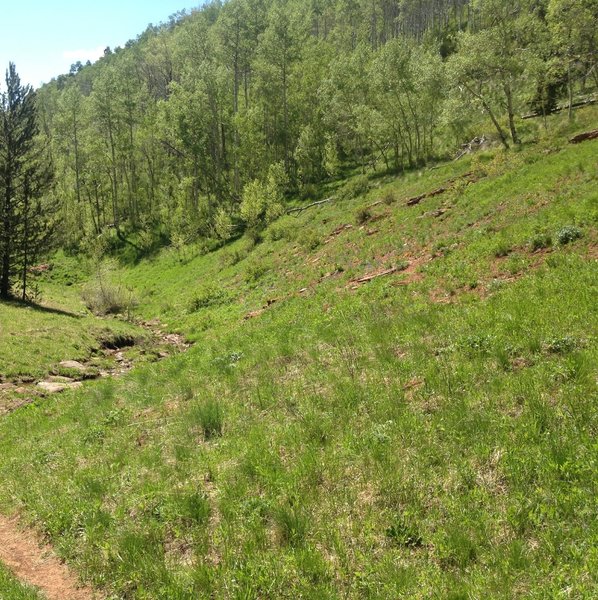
(383, 400)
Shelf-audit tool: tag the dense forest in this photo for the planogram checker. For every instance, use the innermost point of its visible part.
(203, 125)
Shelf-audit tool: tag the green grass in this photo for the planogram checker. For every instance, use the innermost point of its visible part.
(11, 589)
(429, 434)
(36, 339)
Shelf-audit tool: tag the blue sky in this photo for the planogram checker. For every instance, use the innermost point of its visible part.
(44, 37)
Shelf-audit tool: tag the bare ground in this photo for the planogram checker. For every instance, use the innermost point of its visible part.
(36, 564)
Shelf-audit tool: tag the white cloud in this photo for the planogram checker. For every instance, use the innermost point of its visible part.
(84, 55)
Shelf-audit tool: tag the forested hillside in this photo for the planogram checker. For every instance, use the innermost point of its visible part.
(203, 126)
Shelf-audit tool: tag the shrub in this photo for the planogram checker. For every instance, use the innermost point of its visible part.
(103, 298)
(233, 257)
(262, 201)
(255, 271)
(355, 187)
(540, 241)
(309, 240)
(223, 225)
(210, 295)
(362, 215)
(502, 249)
(389, 198)
(282, 230)
(568, 234)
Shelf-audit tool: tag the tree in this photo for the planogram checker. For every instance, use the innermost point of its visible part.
(25, 176)
(572, 24)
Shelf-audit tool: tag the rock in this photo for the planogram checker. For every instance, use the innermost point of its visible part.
(73, 364)
(60, 379)
(54, 387)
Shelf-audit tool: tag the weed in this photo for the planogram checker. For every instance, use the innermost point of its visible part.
(502, 249)
(401, 534)
(291, 523)
(309, 240)
(208, 415)
(255, 271)
(209, 295)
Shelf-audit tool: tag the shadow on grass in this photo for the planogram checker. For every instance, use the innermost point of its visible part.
(40, 308)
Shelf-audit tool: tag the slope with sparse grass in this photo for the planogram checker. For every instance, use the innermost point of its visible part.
(384, 400)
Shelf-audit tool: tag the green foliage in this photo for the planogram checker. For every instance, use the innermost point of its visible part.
(208, 295)
(209, 416)
(568, 234)
(362, 215)
(223, 225)
(540, 241)
(354, 188)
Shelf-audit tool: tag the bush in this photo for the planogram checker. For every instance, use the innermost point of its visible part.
(255, 271)
(282, 230)
(358, 186)
(210, 295)
(362, 215)
(103, 298)
(223, 225)
(389, 198)
(568, 234)
(540, 241)
(309, 240)
(502, 249)
(233, 257)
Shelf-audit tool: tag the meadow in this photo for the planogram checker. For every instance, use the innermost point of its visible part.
(382, 400)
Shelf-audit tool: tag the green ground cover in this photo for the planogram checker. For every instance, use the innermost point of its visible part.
(430, 433)
(10, 589)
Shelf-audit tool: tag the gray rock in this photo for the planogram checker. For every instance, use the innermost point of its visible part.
(73, 364)
(54, 387)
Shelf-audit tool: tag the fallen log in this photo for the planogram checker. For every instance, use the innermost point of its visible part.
(300, 209)
(373, 276)
(579, 104)
(583, 137)
(417, 199)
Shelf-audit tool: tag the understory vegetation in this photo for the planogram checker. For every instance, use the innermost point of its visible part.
(390, 394)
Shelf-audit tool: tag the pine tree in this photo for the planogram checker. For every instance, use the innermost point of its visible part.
(25, 176)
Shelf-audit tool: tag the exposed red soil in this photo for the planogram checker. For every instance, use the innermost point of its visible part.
(37, 565)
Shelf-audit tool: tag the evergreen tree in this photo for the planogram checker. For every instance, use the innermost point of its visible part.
(25, 177)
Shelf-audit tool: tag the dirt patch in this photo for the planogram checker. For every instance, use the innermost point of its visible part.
(37, 565)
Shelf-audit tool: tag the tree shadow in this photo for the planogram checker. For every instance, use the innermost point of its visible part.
(40, 308)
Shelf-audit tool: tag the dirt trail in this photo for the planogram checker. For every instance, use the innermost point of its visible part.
(37, 565)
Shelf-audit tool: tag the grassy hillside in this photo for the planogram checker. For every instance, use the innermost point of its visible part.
(430, 432)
